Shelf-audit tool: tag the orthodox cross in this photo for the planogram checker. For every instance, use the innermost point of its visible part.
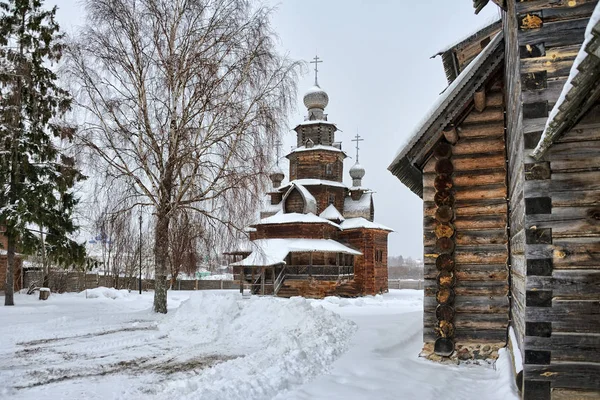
(278, 149)
(357, 139)
(316, 62)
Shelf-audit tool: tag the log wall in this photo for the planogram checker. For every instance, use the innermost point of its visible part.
(295, 230)
(312, 164)
(370, 276)
(294, 203)
(470, 229)
(558, 318)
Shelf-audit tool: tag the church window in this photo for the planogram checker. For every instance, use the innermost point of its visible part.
(328, 169)
(331, 198)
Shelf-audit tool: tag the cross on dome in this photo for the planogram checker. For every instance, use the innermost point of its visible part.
(316, 62)
(357, 139)
(278, 145)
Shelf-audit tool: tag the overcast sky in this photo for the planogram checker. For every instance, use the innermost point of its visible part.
(380, 80)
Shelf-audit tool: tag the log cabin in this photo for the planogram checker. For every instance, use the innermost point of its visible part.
(316, 236)
(508, 166)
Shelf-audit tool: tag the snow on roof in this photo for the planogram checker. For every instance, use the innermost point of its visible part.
(449, 93)
(292, 218)
(331, 213)
(315, 122)
(314, 182)
(481, 30)
(271, 208)
(317, 147)
(568, 99)
(267, 252)
(358, 208)
(310, 203)
(360, 222)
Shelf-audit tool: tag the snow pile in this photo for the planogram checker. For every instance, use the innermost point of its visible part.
(104, 292)
(272, 345)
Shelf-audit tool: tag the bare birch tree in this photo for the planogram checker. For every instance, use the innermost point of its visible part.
(182, 99)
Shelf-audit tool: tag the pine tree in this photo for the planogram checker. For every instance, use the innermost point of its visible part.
(36, 178)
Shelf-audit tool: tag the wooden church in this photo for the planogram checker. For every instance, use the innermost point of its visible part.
(316, 237)
(508, 167)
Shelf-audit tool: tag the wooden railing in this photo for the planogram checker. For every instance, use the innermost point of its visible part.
(319, 271)
(279, 281)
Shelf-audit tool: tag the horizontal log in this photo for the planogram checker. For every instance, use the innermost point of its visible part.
(574, 150)
(468, 238)
(490, 114)
(496, 206)
(567, 347)
(581, 253)
(566, 374)
(469, 179)
(470, 321)
(471, 288)
(475, 222)
(568, 222)
(569, 284)
(588, 164)
(481, 193)
(484, 237)
(491, 130)
(470, 335)
(473, 304)
(469, 274)
(479, 146)
(576, 199)
(574, 394)
(481, 256)
(568, 316)
(464, 164)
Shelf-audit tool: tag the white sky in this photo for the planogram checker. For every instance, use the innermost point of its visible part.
(380, 80)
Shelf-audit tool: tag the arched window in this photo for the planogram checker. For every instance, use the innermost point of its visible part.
(328, 169)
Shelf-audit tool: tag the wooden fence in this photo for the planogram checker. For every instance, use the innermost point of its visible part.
(405, 284)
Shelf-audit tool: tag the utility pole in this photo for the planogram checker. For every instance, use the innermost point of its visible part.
(140, 280)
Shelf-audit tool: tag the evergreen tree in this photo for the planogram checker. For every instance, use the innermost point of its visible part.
(36, 178)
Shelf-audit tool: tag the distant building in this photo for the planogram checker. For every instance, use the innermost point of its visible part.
(508, 166)
(316, 237)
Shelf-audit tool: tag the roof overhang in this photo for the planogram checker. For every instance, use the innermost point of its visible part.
(410, 159)
(580, 93)
(478, 5)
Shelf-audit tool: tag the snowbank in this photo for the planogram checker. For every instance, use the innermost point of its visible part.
(104, 292)
(272, 344)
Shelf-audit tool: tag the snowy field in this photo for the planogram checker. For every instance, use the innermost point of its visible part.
(216, 345)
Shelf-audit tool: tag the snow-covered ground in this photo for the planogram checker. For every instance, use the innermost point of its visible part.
(107, 344)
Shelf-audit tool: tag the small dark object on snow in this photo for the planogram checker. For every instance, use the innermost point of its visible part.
(44, 293)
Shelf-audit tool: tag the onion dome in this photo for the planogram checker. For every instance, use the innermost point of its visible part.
(316, 98)
(357, 172)
(276, 175)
